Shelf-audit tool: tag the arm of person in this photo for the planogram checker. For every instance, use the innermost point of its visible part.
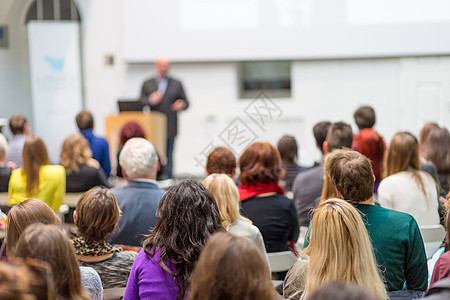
(105, 161)
(259, 241)
(56, 199)
(415, 268)
(295, 229)
(181, 102)
(101, 179)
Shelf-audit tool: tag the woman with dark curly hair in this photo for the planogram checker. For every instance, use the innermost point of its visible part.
(186, 218)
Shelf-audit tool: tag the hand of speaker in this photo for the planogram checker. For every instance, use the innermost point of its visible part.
(178, 105)
(155, 98)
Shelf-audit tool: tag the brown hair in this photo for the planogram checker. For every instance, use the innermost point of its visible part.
(85, 120)
(17, 124)
(351, 173)
(320, 131)
(34, 155)
(49, 243)
(75, 152)
(260, 162)
(328, 190)
(364, 117)
(23, 214)
(287, 146)
(403, 155)
(221, 160)
(97, 213)
(231, 267)
(423, 136)
(437, 149)
(339, 135)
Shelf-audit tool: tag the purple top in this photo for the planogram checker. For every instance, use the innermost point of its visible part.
(149, 281)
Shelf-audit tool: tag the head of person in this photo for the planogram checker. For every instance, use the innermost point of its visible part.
(131, 130)
(364, 117)
(162, 65)
(320, 131)
(138, 159)
(96, 214)
(75, 151)
(18, 125)
(34, 155)
(226, 195)
(339, 136)
(338, 290)
(340, 249)
(50, 244)
(187, 216)
(287, 146)
(437, 149)
(260, 162)
(221, 160)
(402, 154)
(84, 120)
(3, 147)
(351, 174)
(22, 215)
(423, 135)
(231, 267)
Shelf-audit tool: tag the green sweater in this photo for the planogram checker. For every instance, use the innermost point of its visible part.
(398, 247)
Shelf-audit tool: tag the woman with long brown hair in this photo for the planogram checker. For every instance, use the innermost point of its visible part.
(231, 267)
(437, 150)
(37, 178)
(405, 187)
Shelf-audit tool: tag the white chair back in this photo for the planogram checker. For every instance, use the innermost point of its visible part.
(281, 261)
(432, 236)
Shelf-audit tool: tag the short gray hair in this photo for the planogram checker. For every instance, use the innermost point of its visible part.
(138, 158)
(3, 145)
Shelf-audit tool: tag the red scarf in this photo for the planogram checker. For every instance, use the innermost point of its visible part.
(248, 191)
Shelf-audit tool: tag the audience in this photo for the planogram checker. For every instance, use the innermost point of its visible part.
(49, 244)
(129, 130)
(96, 217)
(405, 187)
(37, 178)
(437, 151)
(82, 171)
(19, 128)
(338, 290)
(287, 146)
(139, 199)
(99, 146)
(221, 160)
(231, 267)
(425, 164)
(368, 142)
(5, 172)
(226, 195)
(186, 218)
(263, 200)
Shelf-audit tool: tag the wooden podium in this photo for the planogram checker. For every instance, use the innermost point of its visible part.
(153, 123)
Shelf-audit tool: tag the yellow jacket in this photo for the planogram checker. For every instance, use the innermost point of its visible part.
(52, 186)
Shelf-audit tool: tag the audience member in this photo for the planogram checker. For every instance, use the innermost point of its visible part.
(263, 200)
(96, 217)
(287, 146)
(442, 267)
(139, 199)
(37, 178)
(405, 187)
(49, 243)
(368, 142)
(129, 130)
(19, 128)
(425, 164)
(231, 267)
(5, 172)
(308, 185)
(98, 145)
(221, 160)
(437, 150)
(226, 195)
(339, 249)
(187, 217)
(82, 171)
(338, 290)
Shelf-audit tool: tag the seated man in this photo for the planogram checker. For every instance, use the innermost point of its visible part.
(19, 127)
(139, 199)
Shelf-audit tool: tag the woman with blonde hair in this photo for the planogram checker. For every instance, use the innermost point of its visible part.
(37, 178)
(82, 171)
(226, 195)
(339, 249)
(405, 187)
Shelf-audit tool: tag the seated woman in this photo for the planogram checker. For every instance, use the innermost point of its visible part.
(226, 195)
(287, 146)
(405, 187)
(442, 267)
(221, 160)
(129, 130)
(37, 178)
(82, 171)
(437, 151)
(186, 218)
(339, 249)
(96, 217)
(263, 200)
(50, 244)
(231, 267)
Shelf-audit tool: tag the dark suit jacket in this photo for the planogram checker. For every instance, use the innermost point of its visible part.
(138, 202)
(174, 91)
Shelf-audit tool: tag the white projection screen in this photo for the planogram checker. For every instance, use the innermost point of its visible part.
(233, 30)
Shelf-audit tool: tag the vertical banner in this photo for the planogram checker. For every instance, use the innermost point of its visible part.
(55, 68)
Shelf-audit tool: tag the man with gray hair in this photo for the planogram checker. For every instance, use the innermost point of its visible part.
(139, 199)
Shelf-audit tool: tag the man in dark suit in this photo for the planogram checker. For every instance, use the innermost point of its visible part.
(165, 94)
